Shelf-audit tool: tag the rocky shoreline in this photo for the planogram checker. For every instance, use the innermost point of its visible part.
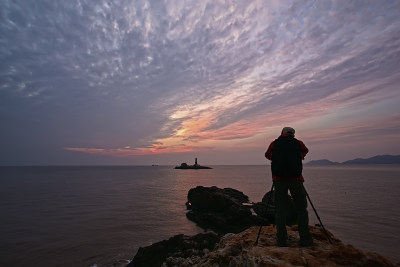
(233, 223)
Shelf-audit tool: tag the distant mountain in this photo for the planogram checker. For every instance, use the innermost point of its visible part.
(380, 159)
(322, 162)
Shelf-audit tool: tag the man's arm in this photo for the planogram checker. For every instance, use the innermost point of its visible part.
(268, 154)
(304, 149)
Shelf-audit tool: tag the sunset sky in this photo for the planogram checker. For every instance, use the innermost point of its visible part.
(161, 82)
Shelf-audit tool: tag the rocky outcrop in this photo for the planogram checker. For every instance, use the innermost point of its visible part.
(229, 210)
(236, 250)
(175, 249)
(220, 210)
(240, 250)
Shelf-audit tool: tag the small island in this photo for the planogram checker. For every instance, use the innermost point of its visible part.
(196, 166)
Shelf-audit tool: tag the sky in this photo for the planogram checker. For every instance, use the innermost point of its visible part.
(161, 82)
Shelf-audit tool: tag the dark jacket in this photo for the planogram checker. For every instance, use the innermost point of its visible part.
(286, 154)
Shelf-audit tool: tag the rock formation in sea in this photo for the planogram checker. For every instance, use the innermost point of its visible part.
(229, 210)
(220, 210)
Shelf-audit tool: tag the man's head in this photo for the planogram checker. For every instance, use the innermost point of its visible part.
(288, 130)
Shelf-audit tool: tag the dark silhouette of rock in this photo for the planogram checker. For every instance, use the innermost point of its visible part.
(177, 247)
(240, 250)
(259, 207)
(229, 211)
(221, 210)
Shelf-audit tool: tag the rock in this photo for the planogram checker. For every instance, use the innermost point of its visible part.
(240, 250)
(259, 208)
(266, 253)
(236, 194)
(215, 199)
(175, 250)
(221, 210)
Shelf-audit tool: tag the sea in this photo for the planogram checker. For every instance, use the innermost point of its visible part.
(101, 215)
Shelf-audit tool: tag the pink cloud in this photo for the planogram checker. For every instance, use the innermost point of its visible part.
(129, 152)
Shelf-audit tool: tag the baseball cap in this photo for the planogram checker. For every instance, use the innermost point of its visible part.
(288, 130)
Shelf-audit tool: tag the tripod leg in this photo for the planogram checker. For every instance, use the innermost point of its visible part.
(315, 211)
(266, 209)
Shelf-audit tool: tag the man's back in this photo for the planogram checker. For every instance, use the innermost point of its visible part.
(286, 159)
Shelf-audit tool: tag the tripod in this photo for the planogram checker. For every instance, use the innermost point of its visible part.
(319, 219)
(265, 213)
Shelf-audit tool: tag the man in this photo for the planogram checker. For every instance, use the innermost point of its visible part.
(286, 154)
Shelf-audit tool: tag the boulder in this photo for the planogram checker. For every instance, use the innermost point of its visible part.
(269, 198)
(220, 210)
(229, 210)
(259, 207)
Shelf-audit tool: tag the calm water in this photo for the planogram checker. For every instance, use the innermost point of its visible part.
(88, 216)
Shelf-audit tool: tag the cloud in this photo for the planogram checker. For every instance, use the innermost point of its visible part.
(183, 76)
(135, 152)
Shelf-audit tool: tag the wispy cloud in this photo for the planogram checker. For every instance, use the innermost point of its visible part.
(135, 152)
(172, 76)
